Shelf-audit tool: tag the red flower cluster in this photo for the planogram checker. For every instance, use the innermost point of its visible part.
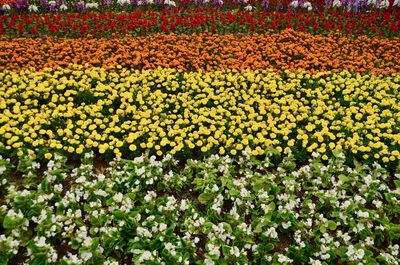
(190, 21)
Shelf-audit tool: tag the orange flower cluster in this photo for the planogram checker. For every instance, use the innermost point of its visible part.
(285, 50)
(6, 2)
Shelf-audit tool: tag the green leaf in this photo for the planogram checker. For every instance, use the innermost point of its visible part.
(39, 260)
(95, 244)
(227, 227)
(343, 178)
(75, 244)
(331, 225)
(397, 183)
(322, 229)
(226, 250)
(259, 228)
(8, 223)
(336, 152)
(271, 206)
(234, 11)
(205, 197)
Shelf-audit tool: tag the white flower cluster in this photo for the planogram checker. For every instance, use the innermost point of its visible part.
(306, 5)
(219, 209)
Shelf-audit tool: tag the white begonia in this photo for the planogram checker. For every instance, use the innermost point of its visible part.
(271, 232)
(369, 241)
(286, 225)
(214, 250)
(118, 197)
(183, 206)
(41, 242)
(2, 169)
(248, 8)
(150, 196)
(208, 261)
(294, 4)
(337, 3)
(146, 255)
(170, 3)
(396, 3)
(384, 4)
(283, 259)
(33, 8)
(362, 214)
(64, 7)
(235, 251)
(315, 262)
(307, 5)
(6, 7)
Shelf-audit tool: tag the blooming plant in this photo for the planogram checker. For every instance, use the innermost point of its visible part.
(250, 18)
(215, 210)
(166, 111)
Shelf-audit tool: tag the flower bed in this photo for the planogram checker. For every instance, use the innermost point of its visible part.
(168, 111)
(279, 51)
(384, 24)
(214, 211)
(199, 132)
(247, 5)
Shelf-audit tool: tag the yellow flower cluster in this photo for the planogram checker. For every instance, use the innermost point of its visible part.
(166, 110)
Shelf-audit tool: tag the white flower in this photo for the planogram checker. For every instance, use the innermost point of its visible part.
(235, 251)
(52, 3)
(337, 3)
(294, 3)
(214, 250)
(92, 5)
(283, 259)
(308, 6)
(33, 8)
(63, 7)
(183, 205)
(248, 8)
(146, 255)
(396, 3)
(2, 169)
(170, 3)
(271, 232)
(350, 251)
(6, 7)
(121, 3)
(209, 262)
(41, 242)
(360, 254)
(315, 262)
(286, 225)
(118, 197)
(384, 4)
(362, 214)
(372, 2)
(86, 255)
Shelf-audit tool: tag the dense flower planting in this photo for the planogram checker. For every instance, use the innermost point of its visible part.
(279, 51)
(214, 211)
(190, 21)
(169, 111)
(199, 132)
(247, 5)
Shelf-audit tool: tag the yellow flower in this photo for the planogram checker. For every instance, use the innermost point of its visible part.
(221, 151)
(132, 147)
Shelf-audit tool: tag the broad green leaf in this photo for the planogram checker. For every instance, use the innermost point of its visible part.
(205, 197)
(331, 225)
